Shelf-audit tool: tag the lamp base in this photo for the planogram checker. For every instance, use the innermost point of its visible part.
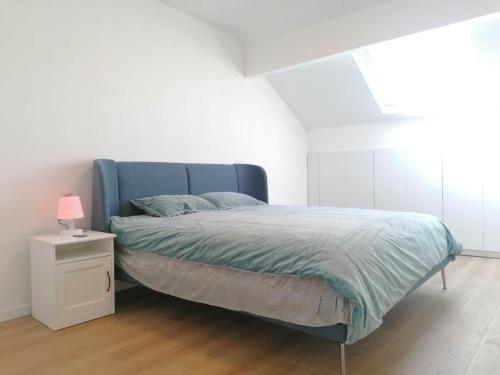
(71, 232)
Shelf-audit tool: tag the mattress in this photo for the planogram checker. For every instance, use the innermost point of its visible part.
(308, 301)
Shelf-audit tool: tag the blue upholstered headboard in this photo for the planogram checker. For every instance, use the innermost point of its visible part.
(116, 183)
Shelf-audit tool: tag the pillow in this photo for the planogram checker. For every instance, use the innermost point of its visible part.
(225, 200)
(172, 205)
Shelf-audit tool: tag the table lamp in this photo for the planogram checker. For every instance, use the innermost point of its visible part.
(70, 208)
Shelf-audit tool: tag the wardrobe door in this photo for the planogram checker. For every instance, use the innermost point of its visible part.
(359, 179)
(313, 179)
(463, 198)
(492, 202)
(424, 185)
(331, 179)
(390, 179)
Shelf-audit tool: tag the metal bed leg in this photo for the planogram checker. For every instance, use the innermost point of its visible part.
(342, 359)
(443, 275)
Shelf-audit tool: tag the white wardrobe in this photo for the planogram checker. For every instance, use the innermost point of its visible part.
(458, 188)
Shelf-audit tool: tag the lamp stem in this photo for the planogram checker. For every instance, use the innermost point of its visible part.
(61, 222)
(70, 228)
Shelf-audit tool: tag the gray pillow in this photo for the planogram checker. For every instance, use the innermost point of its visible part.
(225, 200)
(172, 205)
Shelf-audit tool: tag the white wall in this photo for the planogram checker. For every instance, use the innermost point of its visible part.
(128, 80)
(473, 132)
(374, 135)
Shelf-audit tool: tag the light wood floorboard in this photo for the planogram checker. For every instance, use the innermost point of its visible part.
(432, 331)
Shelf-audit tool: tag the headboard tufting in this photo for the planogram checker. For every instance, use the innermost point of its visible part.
(115, 184)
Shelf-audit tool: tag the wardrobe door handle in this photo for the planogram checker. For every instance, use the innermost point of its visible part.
(109, 281)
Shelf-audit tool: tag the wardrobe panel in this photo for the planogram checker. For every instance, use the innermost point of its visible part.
(390, 179)
(313, 179)
(331, 177)
(359, 179)
(424, 183)
(463, 198)
(492, 201)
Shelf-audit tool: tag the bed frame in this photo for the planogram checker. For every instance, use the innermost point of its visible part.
(116, 183)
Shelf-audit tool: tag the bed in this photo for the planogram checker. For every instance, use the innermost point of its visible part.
(329, 272)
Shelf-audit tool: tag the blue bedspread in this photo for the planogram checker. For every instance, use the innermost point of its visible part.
(372, 258)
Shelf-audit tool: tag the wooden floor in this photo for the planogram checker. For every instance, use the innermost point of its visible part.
(432, 331)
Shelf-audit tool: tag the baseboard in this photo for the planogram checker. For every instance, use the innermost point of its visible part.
(481, 253)
(15, 312)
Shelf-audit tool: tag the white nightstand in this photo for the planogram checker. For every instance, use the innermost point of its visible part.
(72, 279)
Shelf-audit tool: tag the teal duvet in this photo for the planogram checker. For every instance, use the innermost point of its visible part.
(372, 258)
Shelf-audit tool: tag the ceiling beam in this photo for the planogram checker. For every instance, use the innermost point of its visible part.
(372, 25)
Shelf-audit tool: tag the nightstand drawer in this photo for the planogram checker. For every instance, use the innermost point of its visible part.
(84, 286)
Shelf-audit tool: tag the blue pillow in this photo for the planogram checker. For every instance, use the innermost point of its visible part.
(225, 200)
(172, 205)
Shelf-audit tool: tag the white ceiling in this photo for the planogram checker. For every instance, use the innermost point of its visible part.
(255, 20)
(327, 93)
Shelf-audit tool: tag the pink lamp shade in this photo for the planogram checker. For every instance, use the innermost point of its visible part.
(69, 208)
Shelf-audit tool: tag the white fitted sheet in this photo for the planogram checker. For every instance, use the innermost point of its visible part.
(304, 301)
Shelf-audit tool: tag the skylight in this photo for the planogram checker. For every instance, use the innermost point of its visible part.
(423, 74)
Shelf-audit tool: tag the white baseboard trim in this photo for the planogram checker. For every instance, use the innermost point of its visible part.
(15, 312)
(482, 253)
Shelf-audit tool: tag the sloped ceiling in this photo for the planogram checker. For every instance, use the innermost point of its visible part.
(254, 20)
(333, 92)
(328, 93)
